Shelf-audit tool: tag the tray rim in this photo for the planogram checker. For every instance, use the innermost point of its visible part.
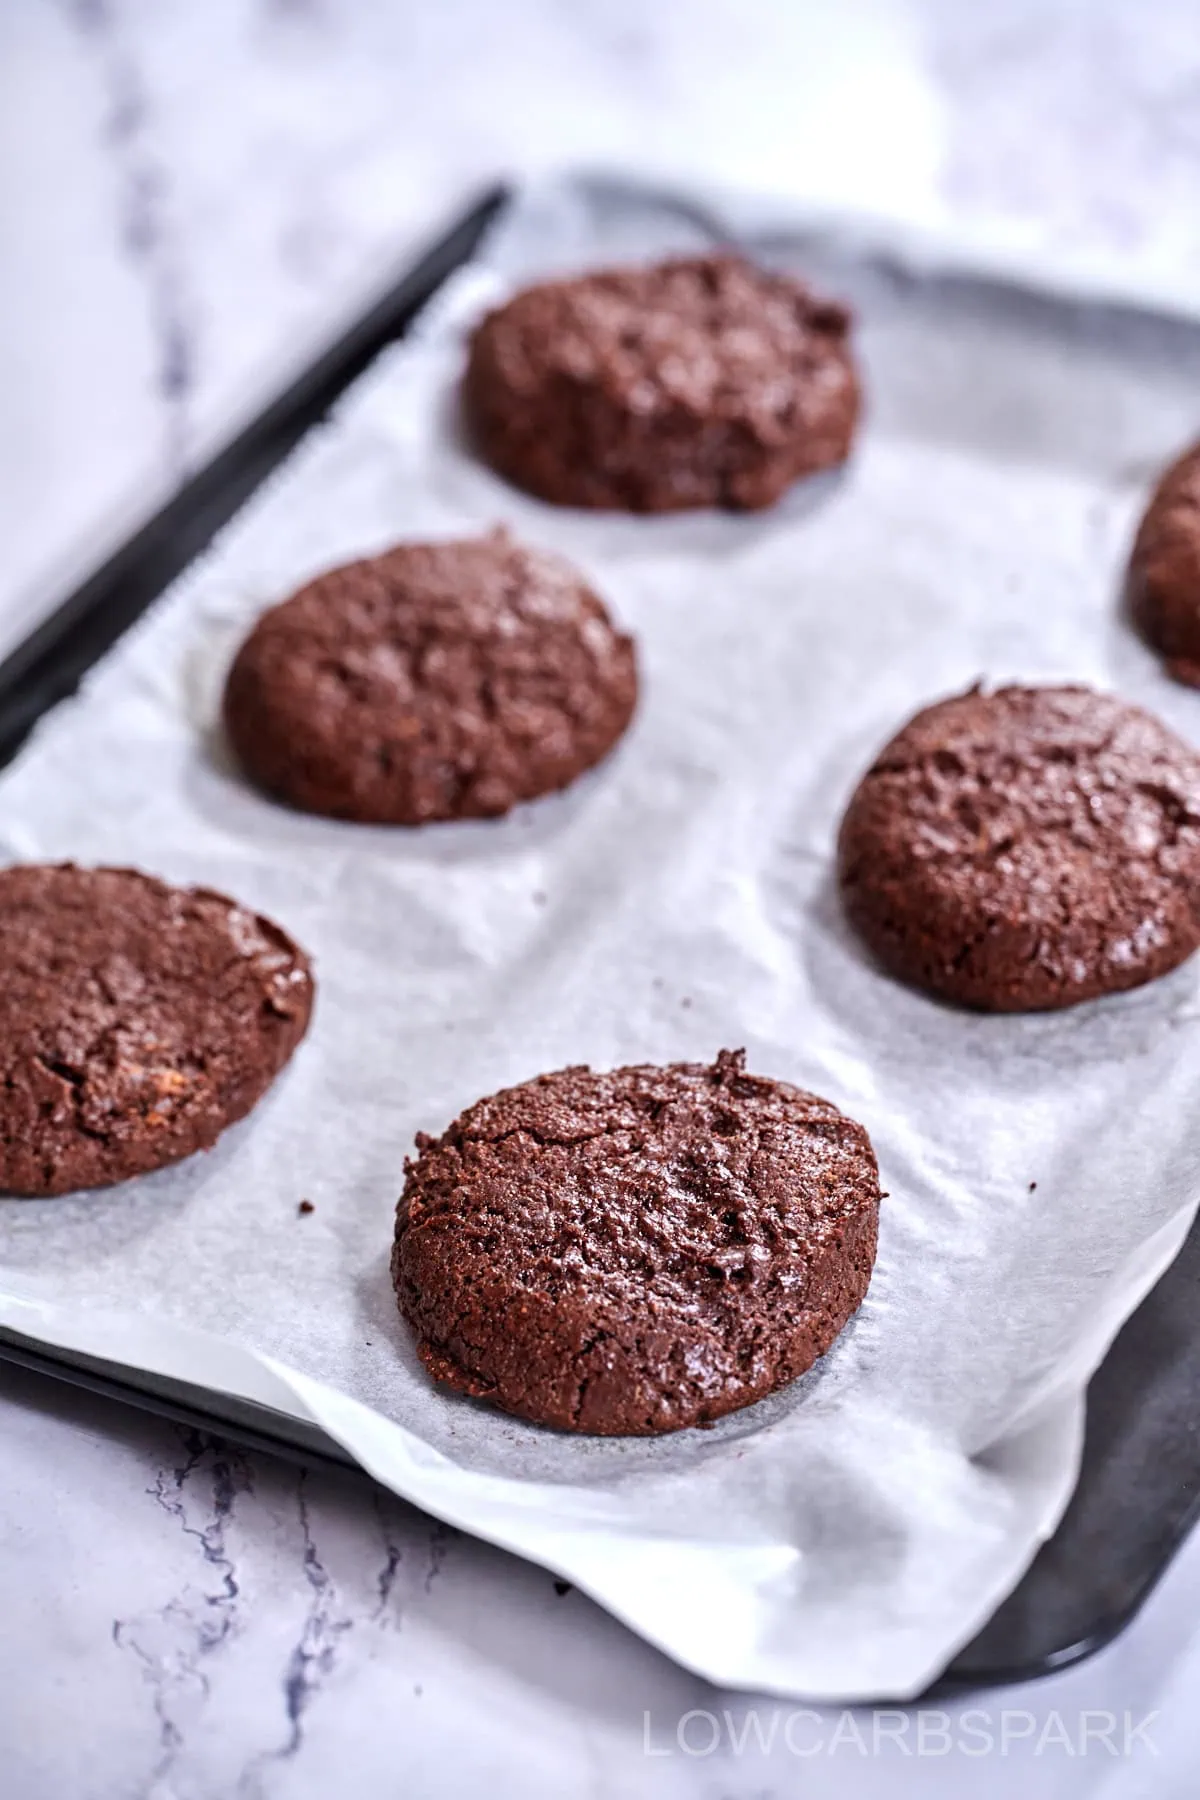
(48, 664)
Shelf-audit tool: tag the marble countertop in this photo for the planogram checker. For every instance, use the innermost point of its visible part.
(192, 200)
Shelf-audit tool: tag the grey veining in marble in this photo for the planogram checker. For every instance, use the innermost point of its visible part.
(147, 231)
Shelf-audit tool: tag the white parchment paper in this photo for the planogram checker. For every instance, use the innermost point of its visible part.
(842, 1539)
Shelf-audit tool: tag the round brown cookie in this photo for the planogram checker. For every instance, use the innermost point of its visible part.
(698, 382)
(1026, 849)
(438, 681)
(1163, 587)
(137, 1021)
(639, 1251)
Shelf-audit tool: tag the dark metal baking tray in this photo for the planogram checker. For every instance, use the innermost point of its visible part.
(1139, 1490)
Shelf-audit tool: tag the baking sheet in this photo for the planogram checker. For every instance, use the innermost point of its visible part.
(843, 1539)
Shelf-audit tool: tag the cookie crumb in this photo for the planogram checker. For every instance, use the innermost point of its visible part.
(305, 1206)
(1032, 1186)
(561, 1588)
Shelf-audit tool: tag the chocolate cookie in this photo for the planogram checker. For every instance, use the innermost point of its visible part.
(1163, 588)
(438, 681)
(137, 1021)
(699, 382)
(635, 1252)
(1026, 849)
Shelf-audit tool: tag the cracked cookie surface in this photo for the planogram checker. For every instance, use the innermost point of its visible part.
(436, 681)
(637, 1251)
(701, 381)
(137, 1021)
(1026, 849)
